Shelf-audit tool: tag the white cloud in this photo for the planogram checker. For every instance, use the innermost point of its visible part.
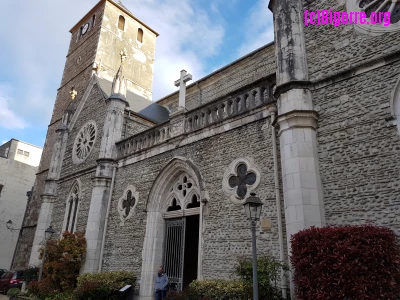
(35, 39)
(187, 37)
(8, 118)
(259, 28)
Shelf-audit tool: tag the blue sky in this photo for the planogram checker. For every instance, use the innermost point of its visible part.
(197, 35)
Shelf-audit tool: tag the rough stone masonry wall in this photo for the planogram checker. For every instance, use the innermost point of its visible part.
(64, 189)
(227, 232)
(94, 109)
(134, 125)
(25, 241)
(358, 150)
(332, 49)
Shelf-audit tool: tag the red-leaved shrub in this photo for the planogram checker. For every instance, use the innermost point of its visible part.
(348, 262)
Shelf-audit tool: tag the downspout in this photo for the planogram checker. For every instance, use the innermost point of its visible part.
(106, 221)
(278, 204)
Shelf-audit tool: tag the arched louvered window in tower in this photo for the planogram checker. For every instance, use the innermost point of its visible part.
(121, 23)
(140, 35)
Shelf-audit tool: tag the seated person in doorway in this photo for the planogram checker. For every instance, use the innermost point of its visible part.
(161, 284)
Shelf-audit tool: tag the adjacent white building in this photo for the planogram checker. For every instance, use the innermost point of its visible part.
(19, 163)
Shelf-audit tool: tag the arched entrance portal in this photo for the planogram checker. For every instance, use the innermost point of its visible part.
(174, 227)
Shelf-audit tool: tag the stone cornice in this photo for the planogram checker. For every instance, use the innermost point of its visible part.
(297, 119)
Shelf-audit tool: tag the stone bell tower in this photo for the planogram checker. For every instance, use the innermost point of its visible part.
(96, 41)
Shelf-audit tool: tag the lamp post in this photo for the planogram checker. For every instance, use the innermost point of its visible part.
(252, 207)
(9, 225)
(47, 235)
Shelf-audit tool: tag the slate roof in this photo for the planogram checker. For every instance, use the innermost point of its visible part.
(139, 105)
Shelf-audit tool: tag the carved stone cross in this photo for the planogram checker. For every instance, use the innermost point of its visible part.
(185, 77)
(123, 55)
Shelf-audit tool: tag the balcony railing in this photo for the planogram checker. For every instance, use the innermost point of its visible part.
(201, 117)
(228, 107)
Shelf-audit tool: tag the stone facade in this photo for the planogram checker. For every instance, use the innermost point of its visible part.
(312, 117)
(19, 163)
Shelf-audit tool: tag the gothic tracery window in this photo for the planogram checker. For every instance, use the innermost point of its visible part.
(72, 208)
(184, 194)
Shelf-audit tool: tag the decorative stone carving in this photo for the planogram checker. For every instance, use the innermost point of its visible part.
(184, 194)
(127, 203)
(73, 93)
(377, 6)
(240, 178)
(84, 142)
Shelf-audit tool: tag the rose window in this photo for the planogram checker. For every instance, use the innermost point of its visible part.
(381, 6)
(84, 142)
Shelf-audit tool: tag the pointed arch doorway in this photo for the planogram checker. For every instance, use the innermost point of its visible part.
(174, 227)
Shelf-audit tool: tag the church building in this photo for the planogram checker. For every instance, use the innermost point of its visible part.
(307, 122)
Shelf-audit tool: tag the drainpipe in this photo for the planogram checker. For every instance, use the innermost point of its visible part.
(284, 285)
(106, 221)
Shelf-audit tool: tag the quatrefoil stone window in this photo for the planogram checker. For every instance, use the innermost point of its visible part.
(378, 7)
(84, 142)
(240, 178)
(127, 204)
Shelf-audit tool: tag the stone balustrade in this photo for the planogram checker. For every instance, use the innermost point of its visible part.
(201, 117)
(228, 107)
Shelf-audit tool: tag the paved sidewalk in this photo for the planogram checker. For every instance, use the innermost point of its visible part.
(3, 297)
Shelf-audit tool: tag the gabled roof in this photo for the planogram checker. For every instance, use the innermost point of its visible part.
(139, 105)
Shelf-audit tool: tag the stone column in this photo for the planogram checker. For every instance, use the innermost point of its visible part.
(112, 133)
(50, 193)
(297, 122)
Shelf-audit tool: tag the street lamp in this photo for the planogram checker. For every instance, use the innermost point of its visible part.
(47, 235)
(9, 225)
(252, 207)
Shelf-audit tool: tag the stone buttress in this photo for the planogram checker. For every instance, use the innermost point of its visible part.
(113, 124)
(297, 121)
(50, 191)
